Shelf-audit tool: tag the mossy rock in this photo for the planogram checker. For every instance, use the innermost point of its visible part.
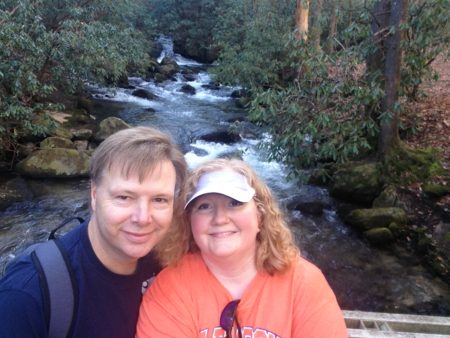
(388, 198)
(62, 132)
(436, 190)
(404, 165)
(56, 163)
(379, 236)
(365, 219)
(82, 134)
(357, 183)
(56, 142)
(79, 118)
(396, 229)
(109, 126)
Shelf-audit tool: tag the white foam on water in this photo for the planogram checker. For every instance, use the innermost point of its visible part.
(182, 61)
(122, 96)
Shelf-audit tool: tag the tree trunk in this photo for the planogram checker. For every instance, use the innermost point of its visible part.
(316, 29)
(301, 20)
(379, 28)
(389, 136)
(349, 14)
(332, 26)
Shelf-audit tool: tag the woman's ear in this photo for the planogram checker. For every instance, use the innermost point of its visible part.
(261, 212)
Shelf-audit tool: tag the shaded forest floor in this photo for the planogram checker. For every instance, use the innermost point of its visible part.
(431, 117)
(431, 114)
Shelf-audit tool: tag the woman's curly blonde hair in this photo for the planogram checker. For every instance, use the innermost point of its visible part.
(275, 249)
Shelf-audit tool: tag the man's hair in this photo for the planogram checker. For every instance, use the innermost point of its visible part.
(275, 248)
(137, 151)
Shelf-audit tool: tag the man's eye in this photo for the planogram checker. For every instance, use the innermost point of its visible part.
(160, 200)
(123, 197)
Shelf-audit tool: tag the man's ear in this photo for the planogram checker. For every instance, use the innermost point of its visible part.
(93, 195)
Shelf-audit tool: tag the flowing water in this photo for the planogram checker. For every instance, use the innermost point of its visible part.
(363, 277)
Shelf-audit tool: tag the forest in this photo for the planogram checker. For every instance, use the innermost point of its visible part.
(338, 84)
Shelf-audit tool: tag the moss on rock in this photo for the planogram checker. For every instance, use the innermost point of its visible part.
(357, 183)
(365, 219)
(379, 236)
(56, 162)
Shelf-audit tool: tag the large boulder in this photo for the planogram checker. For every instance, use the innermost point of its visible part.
(109, 126)
(356, 183)
(365, 219)
(55, 163)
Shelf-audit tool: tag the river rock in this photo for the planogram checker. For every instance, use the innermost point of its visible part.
(309, 200)
(221, 136)
(56, 142)
(365, 219)
(109, 126)
(212, 86)
(379, 236)
(56, 162)
(80, 118)
(188, 89)
(189, 76)
(231, 154)
(13, 190)
(166, 70)
(83, 134)
(145, 94)
(356, 183)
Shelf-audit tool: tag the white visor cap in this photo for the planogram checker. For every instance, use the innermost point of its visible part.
(226, 182)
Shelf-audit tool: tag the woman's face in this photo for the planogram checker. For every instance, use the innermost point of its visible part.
(223, 227)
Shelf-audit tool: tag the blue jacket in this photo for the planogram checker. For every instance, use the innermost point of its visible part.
(108, 303)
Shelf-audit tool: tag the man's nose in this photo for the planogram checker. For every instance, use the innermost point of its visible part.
(142, 213)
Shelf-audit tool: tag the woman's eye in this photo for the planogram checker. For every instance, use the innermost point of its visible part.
(235, 203)
(203, 206)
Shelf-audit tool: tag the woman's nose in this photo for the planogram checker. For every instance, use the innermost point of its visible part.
(220, 215)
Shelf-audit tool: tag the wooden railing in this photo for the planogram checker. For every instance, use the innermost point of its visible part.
(362, 324)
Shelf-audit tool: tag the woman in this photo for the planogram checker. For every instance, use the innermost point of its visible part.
(233, 269)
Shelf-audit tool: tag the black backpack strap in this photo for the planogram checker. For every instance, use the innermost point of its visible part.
(58, 285)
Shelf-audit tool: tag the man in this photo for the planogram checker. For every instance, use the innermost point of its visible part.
(136, 177)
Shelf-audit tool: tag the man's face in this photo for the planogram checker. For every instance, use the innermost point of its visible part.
(129, 217)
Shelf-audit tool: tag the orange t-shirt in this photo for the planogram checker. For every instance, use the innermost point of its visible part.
(187, 300)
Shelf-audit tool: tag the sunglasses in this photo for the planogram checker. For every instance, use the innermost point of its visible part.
(228, 317)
